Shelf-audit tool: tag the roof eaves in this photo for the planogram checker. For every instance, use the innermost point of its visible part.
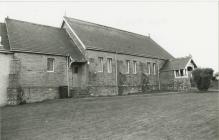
(161, 47)
(5, 51)
(34, 52)
(118, 52)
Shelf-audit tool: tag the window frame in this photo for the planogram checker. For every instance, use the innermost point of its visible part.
(109, 65)
(149, 68)
(100, 63)
(128, 66)
(154, 68)
(177, 73)
(53, 64)
(181, 72)
(134, 67)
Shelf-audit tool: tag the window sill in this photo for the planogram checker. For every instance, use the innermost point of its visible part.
(181, 77)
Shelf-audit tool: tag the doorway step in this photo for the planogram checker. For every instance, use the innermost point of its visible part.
(77, 92)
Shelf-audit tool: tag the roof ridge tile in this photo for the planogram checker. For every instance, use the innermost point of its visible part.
(108, 27)
(38, 24)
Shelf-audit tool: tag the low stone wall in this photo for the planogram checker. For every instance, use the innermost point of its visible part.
(182, 84)
(126, 89)
(13, 96)
(167, 87)
(178, 84)
(31, 94)
(78, 92)
(150, 87)
(37, 94)
(102, 90)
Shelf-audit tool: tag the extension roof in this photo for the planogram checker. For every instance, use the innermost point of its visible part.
(30, 37)
(103, 38)
(177, 63)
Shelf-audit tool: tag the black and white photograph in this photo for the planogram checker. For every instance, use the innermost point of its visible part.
(109, 70)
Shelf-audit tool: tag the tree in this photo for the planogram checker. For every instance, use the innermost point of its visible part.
(202, 78)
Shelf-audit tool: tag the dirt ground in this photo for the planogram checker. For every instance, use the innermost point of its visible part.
(187, 116)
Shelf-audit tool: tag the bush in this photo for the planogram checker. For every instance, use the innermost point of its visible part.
(202, 78)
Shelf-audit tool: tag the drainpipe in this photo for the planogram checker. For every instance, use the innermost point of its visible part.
(117, 89)
(67, 59)
(158, 75)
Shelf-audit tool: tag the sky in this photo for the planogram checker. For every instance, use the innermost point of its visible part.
(181, 27)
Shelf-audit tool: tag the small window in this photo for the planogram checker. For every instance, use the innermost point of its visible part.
(109, 65)
(50, 64)
(154, 68)
(181, 72)
(177, 73)
(100, 64)
(128, 66)
(149, 67)
(185, 72)
(134, 67)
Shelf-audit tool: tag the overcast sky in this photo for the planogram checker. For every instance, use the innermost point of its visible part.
(182, 28)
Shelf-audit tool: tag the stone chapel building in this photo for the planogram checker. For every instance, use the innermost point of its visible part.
(87, 59)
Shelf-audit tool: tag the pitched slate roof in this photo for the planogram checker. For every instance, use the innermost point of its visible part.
(176, 64)
(30, 37)
(99, 37)
(3, 34)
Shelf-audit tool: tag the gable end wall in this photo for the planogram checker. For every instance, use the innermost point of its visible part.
(75, 40)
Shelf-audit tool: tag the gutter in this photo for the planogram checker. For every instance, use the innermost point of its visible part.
(19, 51)
(158, 76)
(138, 55)
(6, 52)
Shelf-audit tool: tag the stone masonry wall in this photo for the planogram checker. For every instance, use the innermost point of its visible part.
(104, 83)
(167, 80)
(5, 59)
(182, 84)
(37, 94)
(33, 70)
(170, 83)
(35, 82)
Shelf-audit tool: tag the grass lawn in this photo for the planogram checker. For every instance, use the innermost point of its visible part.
(190, 116)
